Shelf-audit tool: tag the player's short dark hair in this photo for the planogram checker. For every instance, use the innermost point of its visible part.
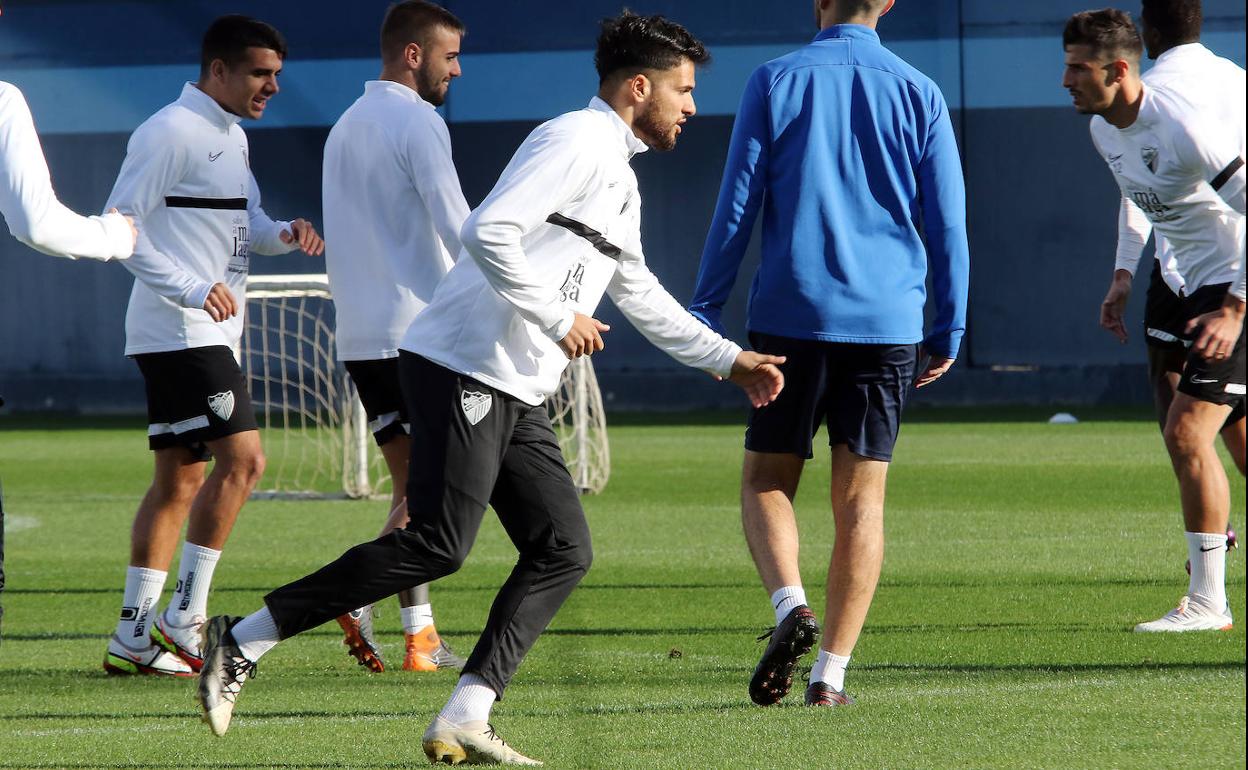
(229, 37)
(630, 43)
(1175, 22)
(411, 21)
(1109, 32)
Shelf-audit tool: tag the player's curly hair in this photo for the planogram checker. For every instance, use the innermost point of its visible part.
(630, 43)
(1109, 31)
(229, 37)
(1174, 21)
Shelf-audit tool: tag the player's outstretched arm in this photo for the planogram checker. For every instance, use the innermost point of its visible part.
(758, 374)
(1114, 306)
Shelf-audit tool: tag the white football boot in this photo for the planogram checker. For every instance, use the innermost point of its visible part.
(472, 743)
(224, 673)
(123, 660)
(1189, 616)
(182, 641)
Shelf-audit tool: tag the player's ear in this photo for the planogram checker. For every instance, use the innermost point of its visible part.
(1118, 69)
(412, 55)
(640, 86)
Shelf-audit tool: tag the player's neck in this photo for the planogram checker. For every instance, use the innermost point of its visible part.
(1126, 108)
(404, 76)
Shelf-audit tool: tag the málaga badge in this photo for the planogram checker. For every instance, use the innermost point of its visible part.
(476, 405)
(1149, 156)
(222, 404)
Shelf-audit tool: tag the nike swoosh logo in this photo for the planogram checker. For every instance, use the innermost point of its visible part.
(212, 156)
(1207, 550)
(1197, 381)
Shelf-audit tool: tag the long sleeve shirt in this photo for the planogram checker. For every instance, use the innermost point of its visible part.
(1193, 65)
(187, 183)
(393, 209)
(29, 205)
(850, 154)
(1181, 162)
(561, 227)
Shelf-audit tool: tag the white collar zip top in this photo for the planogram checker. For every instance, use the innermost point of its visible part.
(393, 209)
(1188, 66)
(561, 228)
(1181, 164)
(187, 183)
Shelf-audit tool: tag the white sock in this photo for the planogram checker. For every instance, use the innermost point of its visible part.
(471, 701)
(830, 669)
(416, 618)
(1207, 553)
(138, 606)
(256, 634)
(785, 599)
(190, 596)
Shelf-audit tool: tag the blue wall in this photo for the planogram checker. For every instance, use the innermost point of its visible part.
(1042, 205)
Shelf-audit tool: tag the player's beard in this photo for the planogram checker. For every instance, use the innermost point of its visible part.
(653, 130)
(430, 86)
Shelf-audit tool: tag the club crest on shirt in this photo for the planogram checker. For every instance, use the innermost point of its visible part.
(1115, 162)
(222, 404)
(475, 405)
(1149, 156)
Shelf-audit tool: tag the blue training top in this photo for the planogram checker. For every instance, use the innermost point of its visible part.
(855, 153)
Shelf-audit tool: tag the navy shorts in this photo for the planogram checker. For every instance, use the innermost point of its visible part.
(377, 382)
(194, 396)
(858, 389)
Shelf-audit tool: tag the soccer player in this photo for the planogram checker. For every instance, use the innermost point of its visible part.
(561, 227)
(1179, 157)
(850, 154)
(1171, 33)
(393, 209)
(187, 183)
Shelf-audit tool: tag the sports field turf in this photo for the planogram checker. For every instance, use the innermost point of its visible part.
(1019, 557)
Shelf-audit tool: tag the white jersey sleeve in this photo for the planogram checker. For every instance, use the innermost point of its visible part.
(432, 173)
(1133, 231)
(151, 168)
(29, 205)
(665, 322)
(266, 233)
(547, 172)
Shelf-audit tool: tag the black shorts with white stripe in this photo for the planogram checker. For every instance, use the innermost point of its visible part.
(1221, 380)
(377, 382)
(1164, 317)
(194, 396)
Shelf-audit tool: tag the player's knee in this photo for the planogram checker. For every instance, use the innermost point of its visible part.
(576, 557)
(247, 468)
(1182, 439)
(180, 490)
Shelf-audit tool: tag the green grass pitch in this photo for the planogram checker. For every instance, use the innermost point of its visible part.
(1019, 557)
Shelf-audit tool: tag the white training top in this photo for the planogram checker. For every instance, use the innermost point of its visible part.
(187, 183)
(1181, 162)
(30, 208)
(498, 316)
(393, 209)
(1177, 67)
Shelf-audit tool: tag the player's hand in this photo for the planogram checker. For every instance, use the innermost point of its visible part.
(302, 232)
(935, 369)
(134, 233)
(220, 303)
(1113, 307)
(584, 338)
(758, 374)
(1216, 333)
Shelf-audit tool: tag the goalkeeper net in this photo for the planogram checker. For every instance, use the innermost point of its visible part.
(312, 424)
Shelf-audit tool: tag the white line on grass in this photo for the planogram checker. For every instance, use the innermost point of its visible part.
(18, 523)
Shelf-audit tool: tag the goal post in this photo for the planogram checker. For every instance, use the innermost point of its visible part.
(313, 426)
